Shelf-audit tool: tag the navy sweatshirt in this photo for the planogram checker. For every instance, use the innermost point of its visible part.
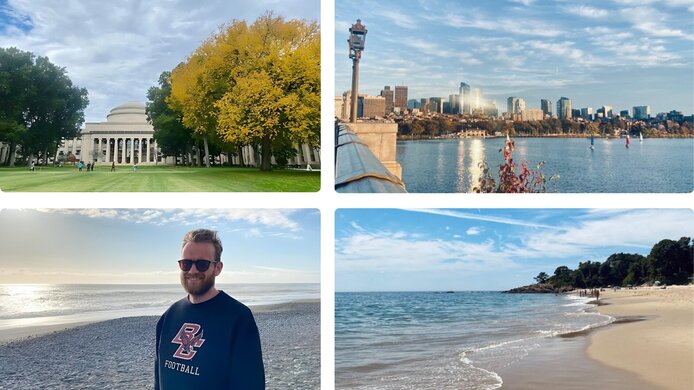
(209, 345)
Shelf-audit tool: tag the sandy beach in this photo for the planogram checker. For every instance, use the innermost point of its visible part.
(119, 353)
(660, 349)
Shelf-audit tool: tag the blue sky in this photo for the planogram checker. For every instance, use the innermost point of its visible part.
(486, 249)
(118, 49)
(620, 53)
(143, 245)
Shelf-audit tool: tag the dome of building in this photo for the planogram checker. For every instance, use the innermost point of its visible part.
(130, 112)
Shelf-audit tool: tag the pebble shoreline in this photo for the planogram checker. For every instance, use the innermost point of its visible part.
(119, 353)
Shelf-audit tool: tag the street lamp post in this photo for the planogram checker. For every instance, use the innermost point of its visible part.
(357, 37)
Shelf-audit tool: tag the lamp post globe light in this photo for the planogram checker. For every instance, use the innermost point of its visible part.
(357, 38)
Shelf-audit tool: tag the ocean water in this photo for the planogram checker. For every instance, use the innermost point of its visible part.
(50, 304)
(418, 340)
(451, 165)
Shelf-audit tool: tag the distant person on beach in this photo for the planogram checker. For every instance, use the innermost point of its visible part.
(207, 340)
(113, 166)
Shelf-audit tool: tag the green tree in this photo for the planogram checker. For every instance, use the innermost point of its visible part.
(172, 136)
(671, 261)
(40, 105)
(542, 277)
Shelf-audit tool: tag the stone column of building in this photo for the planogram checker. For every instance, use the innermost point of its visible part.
(149, 150)
(87, 149)
(125, 147)
(3, 153)
(139, 154)
(307, 154)
(316, 155)
(108, 149)
(156, 152)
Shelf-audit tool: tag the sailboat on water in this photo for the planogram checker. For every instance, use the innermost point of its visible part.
(640, 138)
(627, 145)
(592, 142)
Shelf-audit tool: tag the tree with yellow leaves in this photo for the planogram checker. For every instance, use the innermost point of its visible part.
(255, 84)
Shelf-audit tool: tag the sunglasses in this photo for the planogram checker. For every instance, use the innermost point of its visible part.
(201, 265)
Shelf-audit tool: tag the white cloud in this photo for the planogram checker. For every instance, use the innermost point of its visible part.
(118, 49)
(276, 218)
(482, 217)
(636, 228)
(652, 22)
(516, 26)
(526, 3)
(385, 250)
(474, 231)
(587, 11)
(587, 235)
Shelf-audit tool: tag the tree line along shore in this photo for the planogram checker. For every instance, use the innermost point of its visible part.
(443, 126)
(669, 262)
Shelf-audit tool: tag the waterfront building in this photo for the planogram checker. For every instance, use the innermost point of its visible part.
(606, 111)
(532, 114)
(424, 105)
(339, 105)
(465, 99)
(564, 108)
(400, 97)
(476, 99)
(515, 105)
(546, 106)
(624, 113)
(490, 109)
(455, 104)
(412, 104)
(436, 104)
(587, 113)
(519, 106)
(575, 113)
(371, 106)
(642, 112)
(388, 95)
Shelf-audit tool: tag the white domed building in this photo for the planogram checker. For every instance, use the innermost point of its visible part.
(126, 138)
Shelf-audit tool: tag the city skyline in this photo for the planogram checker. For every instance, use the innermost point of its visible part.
(486, 249)
(618, 54)
(135, 246)
(117, 51)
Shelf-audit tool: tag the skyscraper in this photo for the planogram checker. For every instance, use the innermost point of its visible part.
(387, 93)
(476, 99)
(642, 112)
(401, 97)
(546, 106)
(465, 99)
(455, 105)
(564, 108)
(511, 104)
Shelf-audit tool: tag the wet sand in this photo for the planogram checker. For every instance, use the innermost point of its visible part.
(649, 346)
(119, 353)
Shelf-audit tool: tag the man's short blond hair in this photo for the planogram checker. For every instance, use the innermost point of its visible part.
(205, 235)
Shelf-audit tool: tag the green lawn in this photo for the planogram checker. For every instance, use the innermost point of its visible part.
(157, 179)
